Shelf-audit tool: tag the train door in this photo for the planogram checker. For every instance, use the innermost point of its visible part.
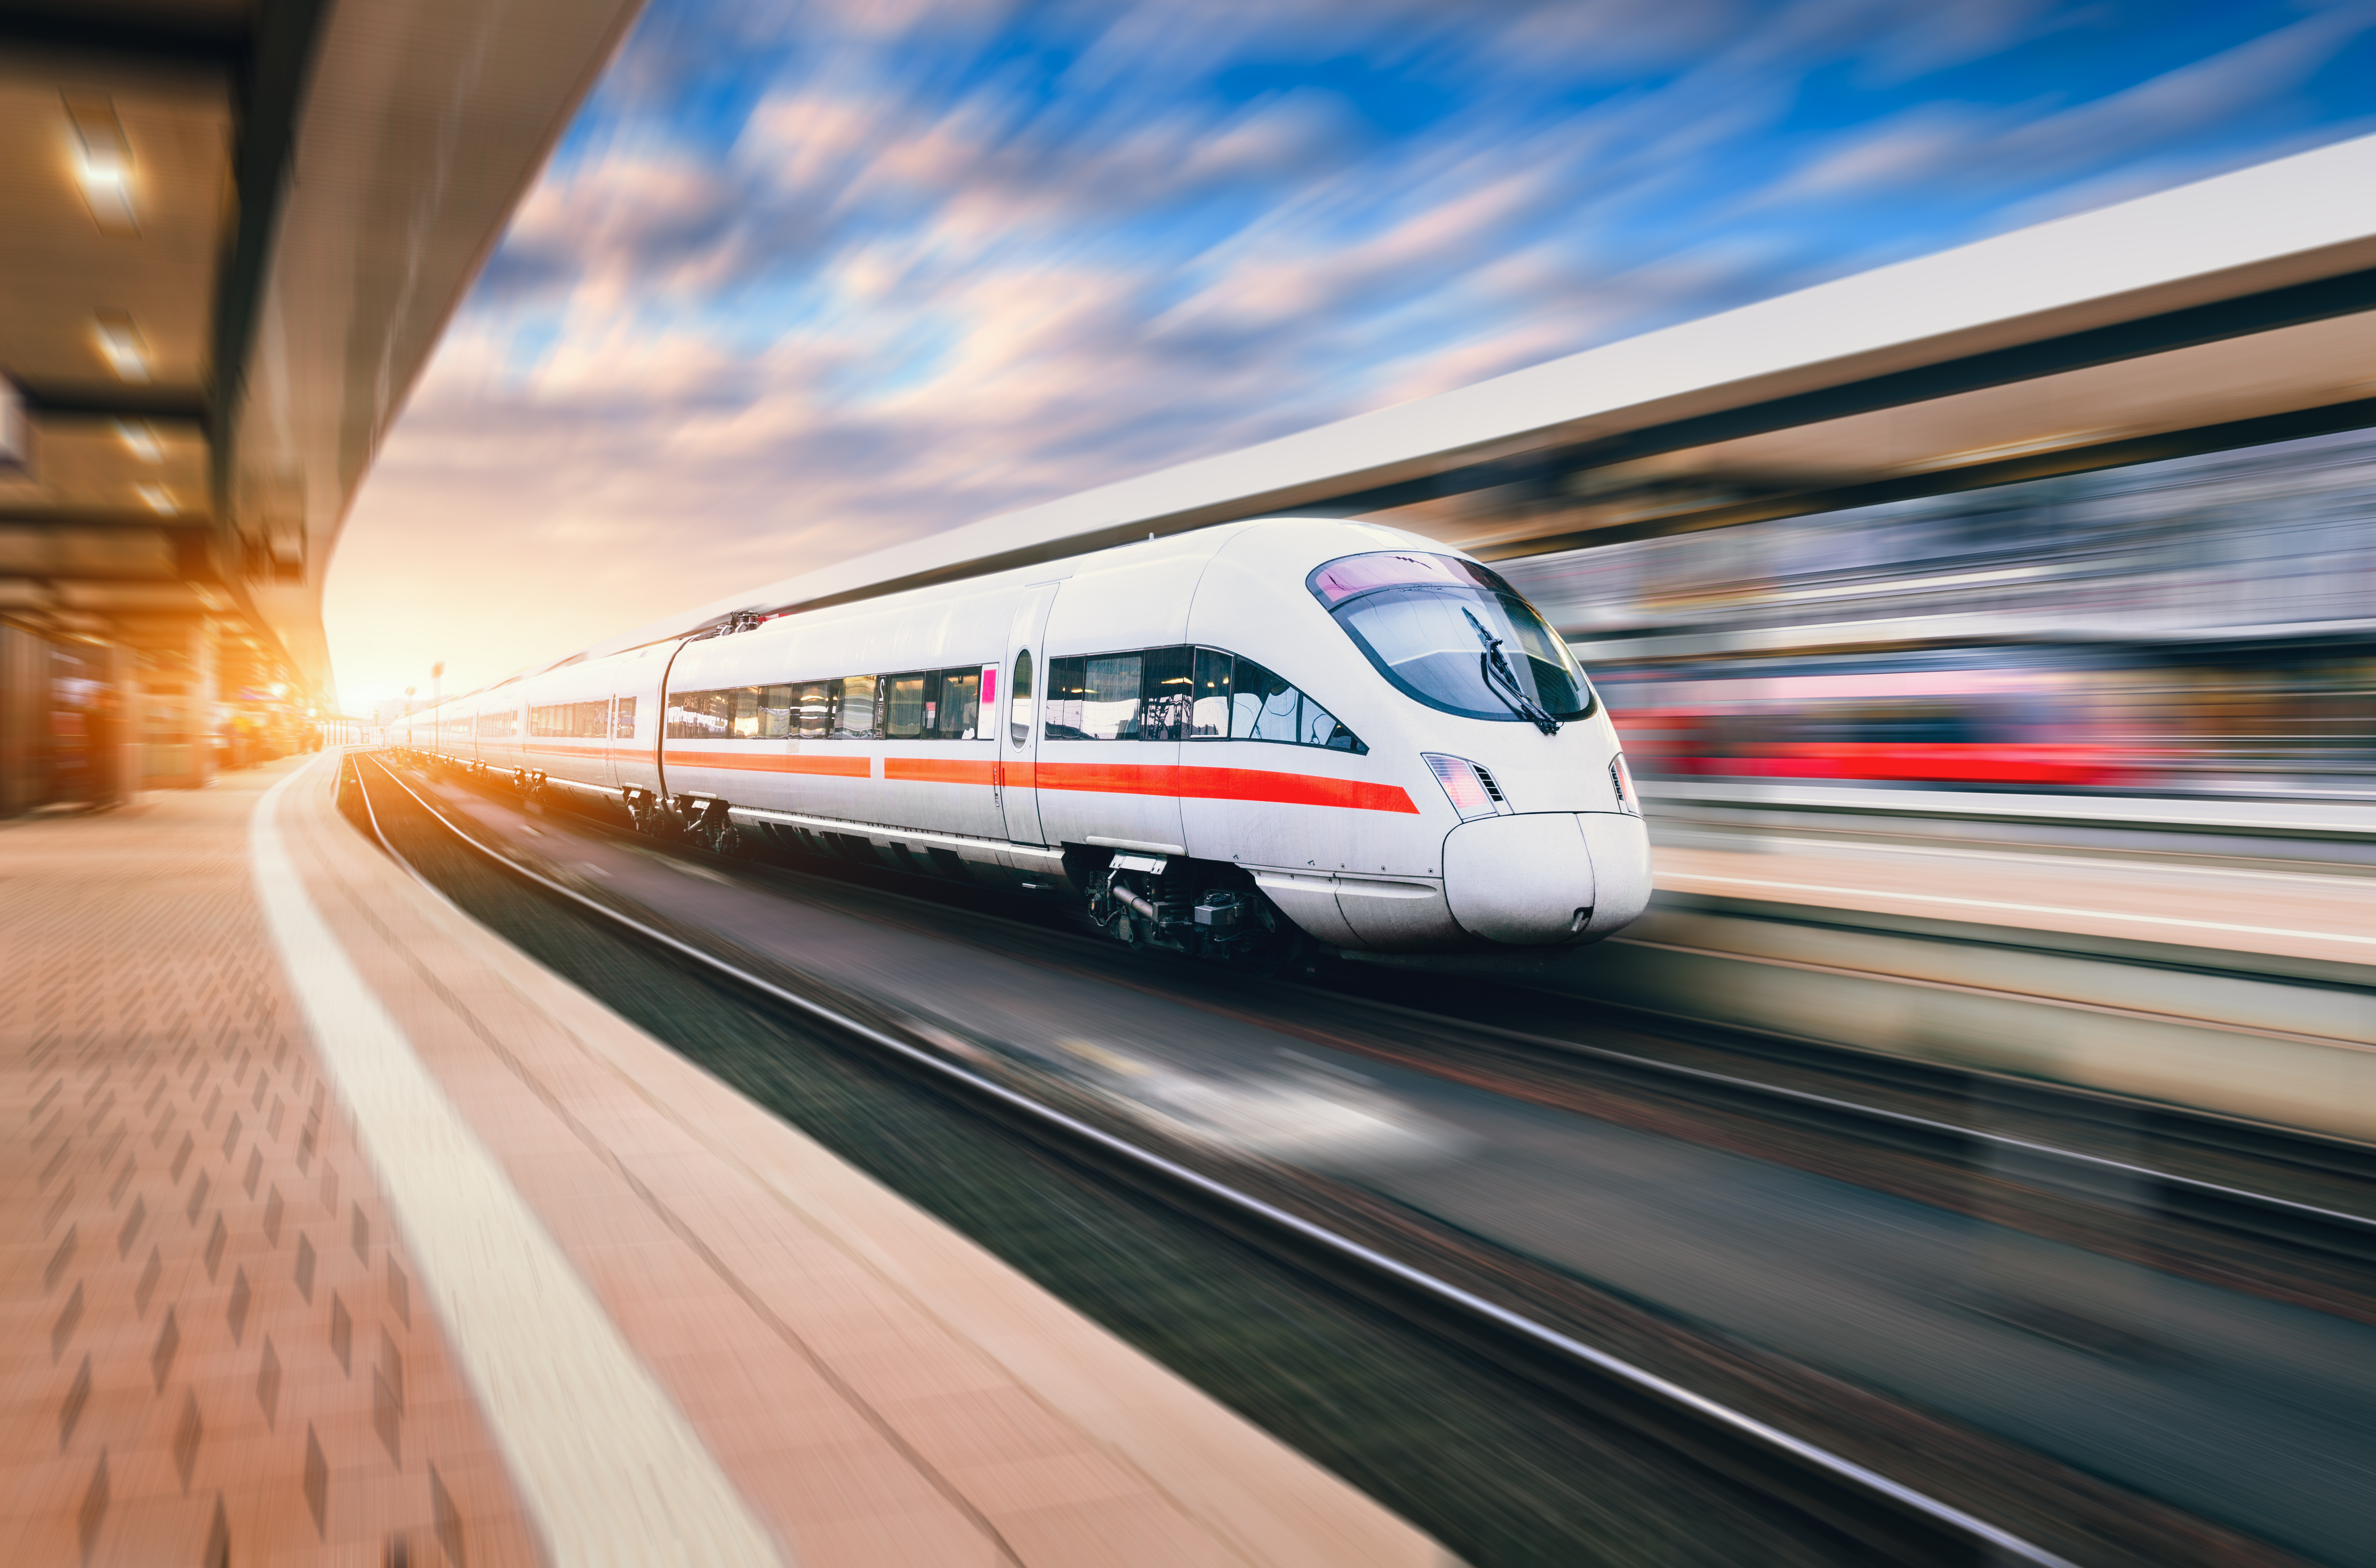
(1018, 737)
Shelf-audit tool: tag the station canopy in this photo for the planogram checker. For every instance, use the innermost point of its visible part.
(233, 231)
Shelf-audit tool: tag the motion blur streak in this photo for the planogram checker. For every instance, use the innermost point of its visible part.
(2194, 626)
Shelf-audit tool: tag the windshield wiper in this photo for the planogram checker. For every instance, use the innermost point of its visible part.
(1504, 680)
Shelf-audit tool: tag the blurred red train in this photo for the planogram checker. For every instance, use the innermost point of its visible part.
(2007, 725)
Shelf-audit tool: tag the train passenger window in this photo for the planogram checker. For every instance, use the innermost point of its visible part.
(1167, 683)
(745, 722)
(811, 709)
(1210, 718)
(1020, 718)
(960, 703)
(1319, 728)
(700, 716)
(854, 716)
(1065, 689)
(624, 729)
(776, 721)
(903, 705)
(1262, 706)
(1110, 692)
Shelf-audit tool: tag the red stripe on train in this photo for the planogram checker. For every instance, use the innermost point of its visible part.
(1091, 778)
(940, 771)
(762, 762)
(1223, 784)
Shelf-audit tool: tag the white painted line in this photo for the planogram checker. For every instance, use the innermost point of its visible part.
(2337, 882)
(1674, 878)
(606, 1465)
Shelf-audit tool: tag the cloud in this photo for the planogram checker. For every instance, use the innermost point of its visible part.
(808, 280)
(1995, 150)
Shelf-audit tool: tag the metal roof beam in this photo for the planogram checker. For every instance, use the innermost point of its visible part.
(118, 400)
(213, 44)
(2321, 300)
(101, 517)
(2234, 434)
(271, 89)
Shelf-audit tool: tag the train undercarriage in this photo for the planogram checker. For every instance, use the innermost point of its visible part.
(1202, 909)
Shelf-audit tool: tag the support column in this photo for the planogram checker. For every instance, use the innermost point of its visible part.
(199, 720)
(24, 708)
(175, 700)
(124, 776)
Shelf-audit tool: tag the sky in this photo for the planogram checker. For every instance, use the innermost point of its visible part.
(806, 281)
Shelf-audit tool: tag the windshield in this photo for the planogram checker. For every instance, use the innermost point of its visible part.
(1434, 625)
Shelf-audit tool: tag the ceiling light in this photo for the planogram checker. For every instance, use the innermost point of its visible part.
(122, 344)
(158, 498)
(142, 438)
(103, 163)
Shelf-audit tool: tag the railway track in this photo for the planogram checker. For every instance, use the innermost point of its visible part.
(2279, 1174)
(1906, 1127)
(2284, 1214)
(1449, 1299)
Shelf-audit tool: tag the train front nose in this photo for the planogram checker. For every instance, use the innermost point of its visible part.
(1546, 877)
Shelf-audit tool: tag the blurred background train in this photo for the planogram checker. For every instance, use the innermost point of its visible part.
(2203, 626)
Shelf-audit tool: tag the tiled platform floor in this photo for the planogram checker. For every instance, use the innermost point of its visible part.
(878, 1389)
(214, 1349)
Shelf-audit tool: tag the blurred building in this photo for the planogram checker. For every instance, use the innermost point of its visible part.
(2204, 624)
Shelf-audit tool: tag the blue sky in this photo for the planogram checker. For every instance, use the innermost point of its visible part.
(803, 280)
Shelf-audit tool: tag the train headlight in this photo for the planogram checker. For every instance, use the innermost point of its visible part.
(1620, 778)
(1469, 787)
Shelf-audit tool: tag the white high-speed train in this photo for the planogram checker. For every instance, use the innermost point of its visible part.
(1214, 740)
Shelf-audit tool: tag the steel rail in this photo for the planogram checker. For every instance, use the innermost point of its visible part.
(2245, 1196)
(1737, 1422)
(1908, 1119)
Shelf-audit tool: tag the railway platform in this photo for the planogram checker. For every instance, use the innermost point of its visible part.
(2277, 881)
(339, 1230)
(2213, 955)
